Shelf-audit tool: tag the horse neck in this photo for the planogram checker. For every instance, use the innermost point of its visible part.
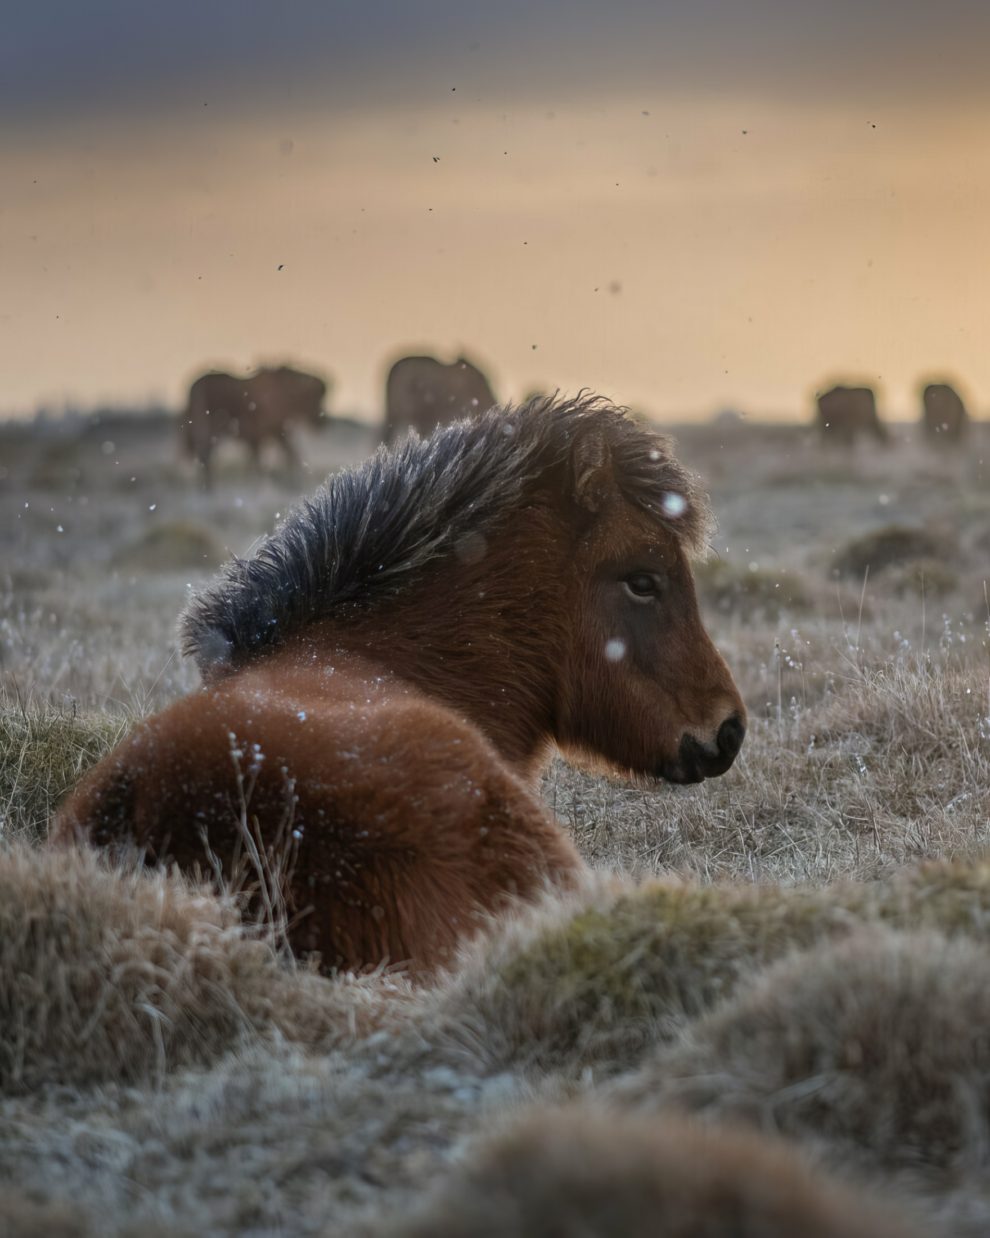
(485, 633)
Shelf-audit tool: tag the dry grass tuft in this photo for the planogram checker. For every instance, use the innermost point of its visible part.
(892, 546)
(57, 466)
(579, 1171)
(857, 761)
(22, 1217)
(913, 709)
(171, 546)
(923, 578)
(119, 975)
(876, 1049)
(43, 752)
(750, 592)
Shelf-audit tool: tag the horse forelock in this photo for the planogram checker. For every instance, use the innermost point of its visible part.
(368, 531)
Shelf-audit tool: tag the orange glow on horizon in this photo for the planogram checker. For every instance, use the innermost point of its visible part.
(680, 256)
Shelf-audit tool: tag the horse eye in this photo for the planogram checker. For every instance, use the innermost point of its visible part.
(642, 585)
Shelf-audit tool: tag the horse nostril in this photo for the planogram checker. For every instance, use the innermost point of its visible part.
(730, 735)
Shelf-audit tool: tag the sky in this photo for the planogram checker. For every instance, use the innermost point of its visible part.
(685, 206)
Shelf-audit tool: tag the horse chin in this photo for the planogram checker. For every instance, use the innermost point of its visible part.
(667, 770)
(676, 773)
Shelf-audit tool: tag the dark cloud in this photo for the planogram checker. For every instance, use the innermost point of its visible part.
(59, 57)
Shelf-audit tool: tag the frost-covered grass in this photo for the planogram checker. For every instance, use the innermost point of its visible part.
(859, 757)
(795, 946)
(43, 751)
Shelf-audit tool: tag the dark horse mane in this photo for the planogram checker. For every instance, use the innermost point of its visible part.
(367, 531)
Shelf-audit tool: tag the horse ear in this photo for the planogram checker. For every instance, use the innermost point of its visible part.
(591, 463)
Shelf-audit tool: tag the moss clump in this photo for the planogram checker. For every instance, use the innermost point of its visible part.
(596, 986)
(923, 578)
(893, 546)
(42, 754)
(171, 546)
(750, 592)
(599, 986)
(58, 466)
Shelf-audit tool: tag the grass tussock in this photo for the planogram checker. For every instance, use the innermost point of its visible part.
(22, 1217)
(579, 1170)
(108, 974)
(923, 578)
(43, 752)
(58, 466)
(875, 1049)
(750, 592)
(171, 546)
(911, 708)
(593, 984)
(893, 546)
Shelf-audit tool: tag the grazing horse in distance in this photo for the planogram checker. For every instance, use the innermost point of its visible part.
(422, 393)
(253, 410)
(944, 418)
(844, 413)
(383, 681)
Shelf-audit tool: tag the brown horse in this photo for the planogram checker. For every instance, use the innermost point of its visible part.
(844, 413)
(944, 419)
(384, 679)
(422, 393)
(254, 410)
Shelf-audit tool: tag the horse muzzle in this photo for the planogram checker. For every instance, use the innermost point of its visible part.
(697, 761)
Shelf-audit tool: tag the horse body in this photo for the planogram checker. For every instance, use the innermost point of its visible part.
(254, 410)
(387, 818)
(844, 413)
(422, 393)
(944, 418)
(383, 682)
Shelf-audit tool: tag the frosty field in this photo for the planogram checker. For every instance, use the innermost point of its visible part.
(796, 949)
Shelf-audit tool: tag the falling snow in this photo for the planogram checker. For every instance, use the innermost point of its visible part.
(674, 505)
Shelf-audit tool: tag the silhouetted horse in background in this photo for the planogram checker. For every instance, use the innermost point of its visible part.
(944, 419)
(254, 410)
(844, 413)
(384, 679)
(422, 393)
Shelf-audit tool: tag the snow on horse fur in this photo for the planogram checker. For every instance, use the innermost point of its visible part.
(384, 679)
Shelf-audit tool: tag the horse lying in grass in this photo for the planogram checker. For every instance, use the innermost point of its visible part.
(383, 681)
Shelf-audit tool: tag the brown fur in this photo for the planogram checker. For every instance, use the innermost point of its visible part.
(943, 418)
(382, 755)
(578, 1171)
(253, 410)
(422, 393)
(844, 413)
